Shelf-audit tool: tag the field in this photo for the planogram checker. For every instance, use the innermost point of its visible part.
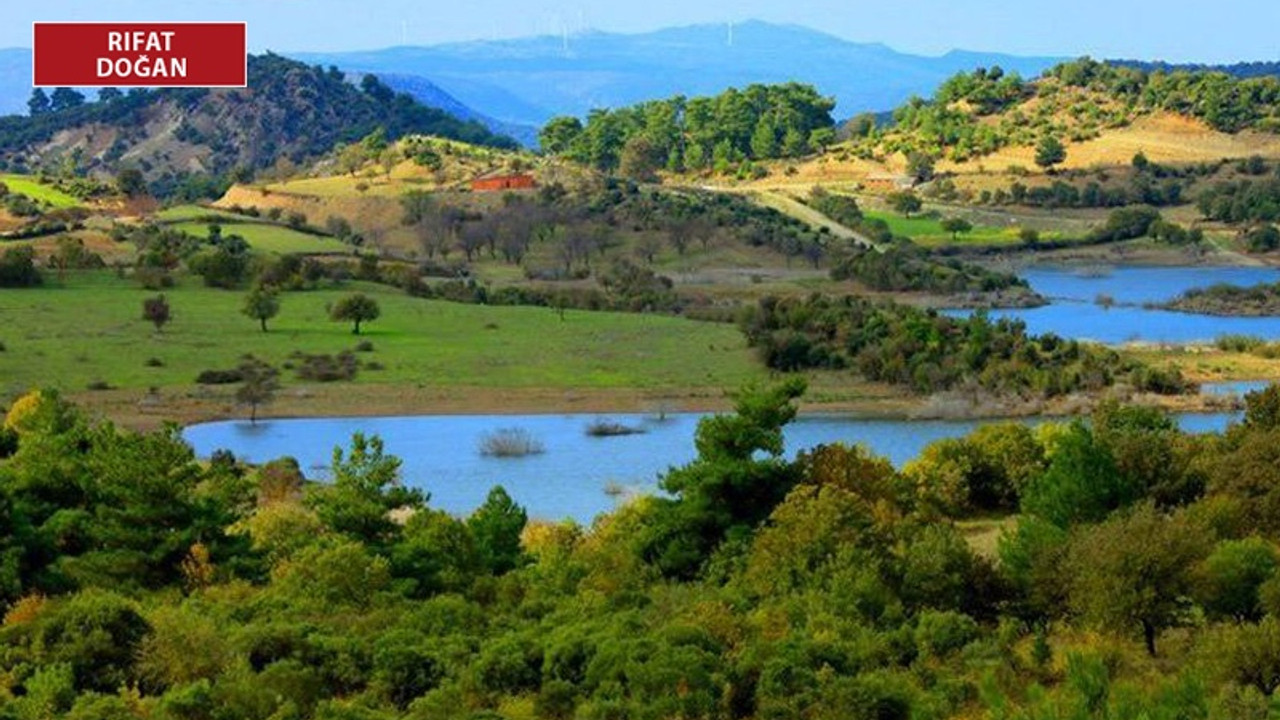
(183, 213)
(33, 189)
(89, 331)
(927, 231)
(272, 238)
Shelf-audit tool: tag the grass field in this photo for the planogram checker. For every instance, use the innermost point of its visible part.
(272, 238)
(89, 330)
(183, 213)
(928, 231)
(33, 189)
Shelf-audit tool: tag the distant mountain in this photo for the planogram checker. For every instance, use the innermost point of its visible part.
(289, 111)
(432, 95)
(15, 89)
(15, 80)
(529, 80)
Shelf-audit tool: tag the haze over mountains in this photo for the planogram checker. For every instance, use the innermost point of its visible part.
(514, 86)
(529, 80)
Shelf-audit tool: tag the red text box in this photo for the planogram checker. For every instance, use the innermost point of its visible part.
(139, 54)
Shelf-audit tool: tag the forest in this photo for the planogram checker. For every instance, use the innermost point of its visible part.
(1136, 578)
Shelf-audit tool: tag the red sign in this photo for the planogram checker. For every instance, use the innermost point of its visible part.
(145, 54)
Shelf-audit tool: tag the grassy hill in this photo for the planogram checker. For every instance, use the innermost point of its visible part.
(89, 330)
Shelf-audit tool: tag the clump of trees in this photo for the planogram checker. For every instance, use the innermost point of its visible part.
(719, 134)
(929, 352)
(906, 268)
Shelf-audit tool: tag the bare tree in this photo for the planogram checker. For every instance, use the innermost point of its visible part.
(258, 385)
(647, 247)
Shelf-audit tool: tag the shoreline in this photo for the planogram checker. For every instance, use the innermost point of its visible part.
(140, 410)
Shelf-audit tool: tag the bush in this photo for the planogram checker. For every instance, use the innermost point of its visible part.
(326, 368)
(99, 385)
(364, 346)
(153, 278)
(604, 427)
(154, 362)
(510, 442)
(219, 377)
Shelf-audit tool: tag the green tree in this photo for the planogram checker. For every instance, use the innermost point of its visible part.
(1262, 408)
(727, 490)
(258, 385)
(356, 308)
(1050, 152)
(1133, 571)
(1082, 483)
(365, 488)
(640, 159)
(496, 526)
(559, 135)
(262, 303)
(156, 311)
(64, 98)
(956, 226)
(905, 203)
(764, 141)
(130, 182)
(39, 102)
(1230, 578)
(920, 165)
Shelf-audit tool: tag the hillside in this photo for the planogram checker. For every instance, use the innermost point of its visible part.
(289, 113)
(530, 80)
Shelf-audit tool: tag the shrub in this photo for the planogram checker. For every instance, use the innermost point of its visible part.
(364, 346)
(99, 385)
(510, 442)
(219, 377)
(154, 362)
(327, 368)
(603, 427)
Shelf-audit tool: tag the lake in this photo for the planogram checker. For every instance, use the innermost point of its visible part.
(1073, 311)
(572, 477)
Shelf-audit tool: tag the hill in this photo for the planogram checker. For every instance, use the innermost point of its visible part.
(290, 111)
(432, 95)
(530, 80)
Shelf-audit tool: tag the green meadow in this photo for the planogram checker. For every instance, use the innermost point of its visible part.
(36, 190)
(89, 330)
(270, 238)
(927, 231)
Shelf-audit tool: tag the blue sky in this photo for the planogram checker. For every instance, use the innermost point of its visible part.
(1176, 30)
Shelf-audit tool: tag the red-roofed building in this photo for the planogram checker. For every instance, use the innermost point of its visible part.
(519, 181)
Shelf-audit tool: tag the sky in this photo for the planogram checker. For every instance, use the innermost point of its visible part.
(1173, 30)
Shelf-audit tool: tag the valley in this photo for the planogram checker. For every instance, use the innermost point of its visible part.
(662, 376)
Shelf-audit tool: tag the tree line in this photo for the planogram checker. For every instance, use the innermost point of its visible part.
(930, 352)
(716, 133)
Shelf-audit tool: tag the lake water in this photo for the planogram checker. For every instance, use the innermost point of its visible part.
(574, 475)
(1074, 312)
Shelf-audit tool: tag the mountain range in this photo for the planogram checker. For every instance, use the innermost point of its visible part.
(529, 80)
(514, 86)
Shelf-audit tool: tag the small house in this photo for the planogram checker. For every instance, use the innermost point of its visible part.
(516, 181)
